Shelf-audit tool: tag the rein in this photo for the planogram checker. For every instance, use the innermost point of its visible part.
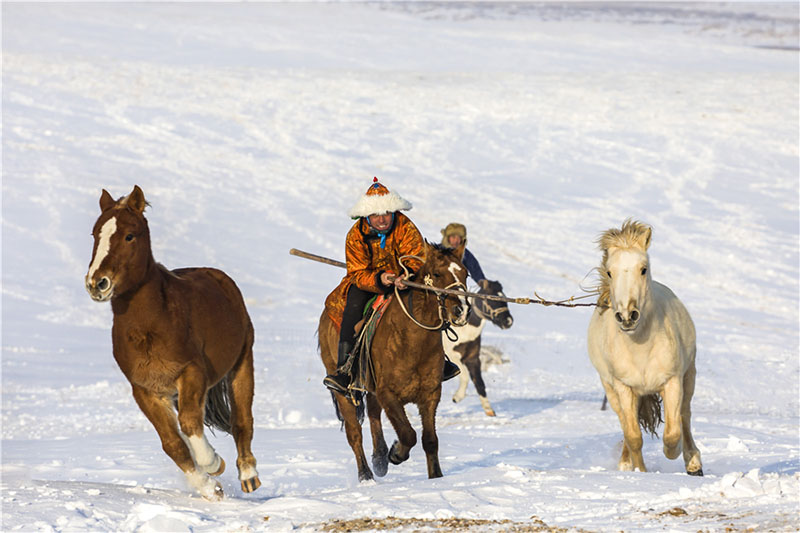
(444, 324)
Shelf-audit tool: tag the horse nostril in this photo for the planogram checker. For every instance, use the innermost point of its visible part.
(103, 284)
(618, 316)
(634, 316)
(509, 322)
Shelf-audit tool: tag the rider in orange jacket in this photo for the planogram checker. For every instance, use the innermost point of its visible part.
(373, 248)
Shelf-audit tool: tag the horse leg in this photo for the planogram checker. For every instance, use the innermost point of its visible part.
(672, 394)
(192, 387)
(240, 395)
(158, 410)
(626, 404)
(354, 437)
(473, 362)
(691, 455)
(430, 441)
(463, 379)
(380, 453)
(406, 436)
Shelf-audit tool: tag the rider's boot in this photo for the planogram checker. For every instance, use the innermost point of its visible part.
(339, 381)
(451, 369)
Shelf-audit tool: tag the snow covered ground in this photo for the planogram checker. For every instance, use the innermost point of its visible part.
(252, 128)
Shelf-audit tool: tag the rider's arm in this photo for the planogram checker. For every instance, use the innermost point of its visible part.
(473, 267)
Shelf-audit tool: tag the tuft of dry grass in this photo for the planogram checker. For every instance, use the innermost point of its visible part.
(444, 525)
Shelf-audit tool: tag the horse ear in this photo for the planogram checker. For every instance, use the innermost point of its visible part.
(646, 238)
(484, 283)
(136, 201)
(459, 250)
(106, 201)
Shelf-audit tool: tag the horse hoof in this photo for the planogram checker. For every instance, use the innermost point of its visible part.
(365, 475)
(490, 412)
(395, 457)
(221, 468)
(698, 472)
(250, 485)
(380, 463)
(213, 493)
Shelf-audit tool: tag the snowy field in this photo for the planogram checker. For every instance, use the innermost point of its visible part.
(253, 128)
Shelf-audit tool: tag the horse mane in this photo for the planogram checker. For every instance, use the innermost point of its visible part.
(632, 234)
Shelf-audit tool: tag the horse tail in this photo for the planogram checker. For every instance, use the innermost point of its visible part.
(358, 396)
(650, 413)
(218, 407)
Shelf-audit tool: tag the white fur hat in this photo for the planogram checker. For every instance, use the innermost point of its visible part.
(377, 201)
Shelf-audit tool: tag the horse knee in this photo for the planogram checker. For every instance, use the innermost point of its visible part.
(634, 443)
(673, 443)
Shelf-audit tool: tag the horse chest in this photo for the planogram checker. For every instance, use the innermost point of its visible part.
(146, 360)
(642, 367)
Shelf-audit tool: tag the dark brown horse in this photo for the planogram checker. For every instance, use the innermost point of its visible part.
(407, 360)
(183, 339)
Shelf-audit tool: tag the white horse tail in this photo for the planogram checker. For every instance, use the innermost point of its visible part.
(650, 413)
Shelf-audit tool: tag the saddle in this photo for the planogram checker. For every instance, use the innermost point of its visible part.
(359, 364)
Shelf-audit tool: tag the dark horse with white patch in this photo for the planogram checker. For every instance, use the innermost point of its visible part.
(406, 364)
(465, 351)
(183, 339)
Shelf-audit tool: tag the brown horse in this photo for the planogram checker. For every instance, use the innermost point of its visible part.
(183, 339)
(407, 363)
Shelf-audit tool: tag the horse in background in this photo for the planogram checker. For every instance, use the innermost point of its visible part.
(182, 338)
(641, 340)
(465, 350)
(406, 365)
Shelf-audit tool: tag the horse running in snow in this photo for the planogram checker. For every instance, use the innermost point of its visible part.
(183, 339)
(642, 342)
(406, 366)
(465, 351)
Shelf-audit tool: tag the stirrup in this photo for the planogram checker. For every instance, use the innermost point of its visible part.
(337, 382)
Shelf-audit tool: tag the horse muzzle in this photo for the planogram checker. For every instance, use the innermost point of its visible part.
(629, 323)
(100, 291)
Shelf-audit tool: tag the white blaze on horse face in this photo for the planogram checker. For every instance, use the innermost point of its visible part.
(103, 246)
(453, 268)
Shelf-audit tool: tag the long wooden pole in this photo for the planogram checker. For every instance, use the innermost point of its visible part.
(524, 301)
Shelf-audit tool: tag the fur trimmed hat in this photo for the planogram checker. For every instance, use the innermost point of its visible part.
(378, 200)
(454, 228)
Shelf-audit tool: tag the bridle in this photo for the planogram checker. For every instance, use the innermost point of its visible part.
(487, 312)
(445, 324)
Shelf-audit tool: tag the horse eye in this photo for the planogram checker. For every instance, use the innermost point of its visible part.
(129, 237)
(608, 273)
(644, 271)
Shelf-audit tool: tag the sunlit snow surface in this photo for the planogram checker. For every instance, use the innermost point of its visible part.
(253, 128)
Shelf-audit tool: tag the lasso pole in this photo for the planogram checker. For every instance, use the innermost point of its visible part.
(570, 302)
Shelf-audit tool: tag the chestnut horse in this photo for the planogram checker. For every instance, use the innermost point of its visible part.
(182, 338)
(465, 350)
(407, 363)
(642, 342)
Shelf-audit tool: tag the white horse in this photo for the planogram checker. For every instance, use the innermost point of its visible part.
(642, 343)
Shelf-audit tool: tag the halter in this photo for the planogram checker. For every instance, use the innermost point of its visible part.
(485, 311)
(443, 325)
